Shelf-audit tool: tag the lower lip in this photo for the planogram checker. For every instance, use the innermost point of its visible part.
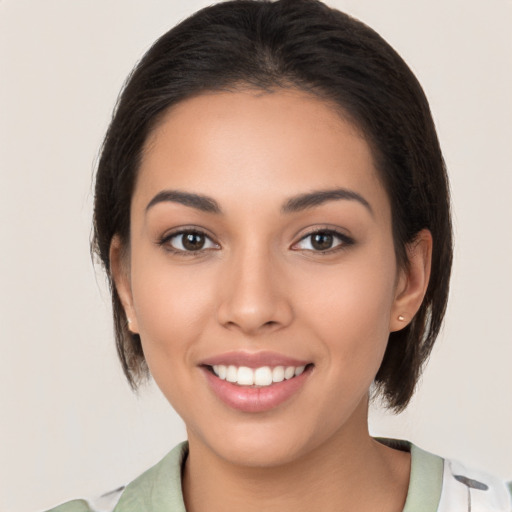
(256, 399)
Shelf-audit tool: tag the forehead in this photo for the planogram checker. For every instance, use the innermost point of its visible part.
(252, 146)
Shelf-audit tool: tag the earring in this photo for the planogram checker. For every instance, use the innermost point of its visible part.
(401, 318)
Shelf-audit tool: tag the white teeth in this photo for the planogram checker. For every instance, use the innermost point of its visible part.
(232, 373)
(222, 371)
(263, 376)
(299, 370)
(278, 374)
(245, 376)
(289, 372)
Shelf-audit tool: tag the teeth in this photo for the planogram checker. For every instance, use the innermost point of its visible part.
(222, 372)
(245, 376)
(289, 372)
(278, 374)
(263, 376)
(232, 374)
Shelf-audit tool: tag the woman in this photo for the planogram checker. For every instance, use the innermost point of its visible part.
(272, 210)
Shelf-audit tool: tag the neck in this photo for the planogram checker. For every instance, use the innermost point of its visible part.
(350, 471)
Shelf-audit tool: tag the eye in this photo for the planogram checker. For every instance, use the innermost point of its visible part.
(323, 241)
(188, 241)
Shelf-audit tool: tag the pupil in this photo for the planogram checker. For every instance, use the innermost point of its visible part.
(193, 241)
(322, 241)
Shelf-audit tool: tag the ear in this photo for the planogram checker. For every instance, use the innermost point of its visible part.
(412, 281)
(120, 271)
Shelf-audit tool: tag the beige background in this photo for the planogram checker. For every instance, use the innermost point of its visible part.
(69, 425)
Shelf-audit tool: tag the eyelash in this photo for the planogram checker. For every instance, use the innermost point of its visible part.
(165, 242)
(345, 241)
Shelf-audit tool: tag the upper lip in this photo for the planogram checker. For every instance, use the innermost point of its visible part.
(253, 360)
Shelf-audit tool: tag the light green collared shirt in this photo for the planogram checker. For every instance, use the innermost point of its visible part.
(434, 486)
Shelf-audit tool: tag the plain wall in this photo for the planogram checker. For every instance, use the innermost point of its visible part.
(69, 425)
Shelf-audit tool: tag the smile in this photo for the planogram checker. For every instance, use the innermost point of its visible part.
(261, 377)
(255, 383)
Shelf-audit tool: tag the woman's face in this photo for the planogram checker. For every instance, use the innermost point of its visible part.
(261, 247)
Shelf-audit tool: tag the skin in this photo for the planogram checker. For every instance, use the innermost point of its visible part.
(259, 284)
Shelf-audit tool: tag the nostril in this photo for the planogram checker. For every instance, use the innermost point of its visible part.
(253, 314)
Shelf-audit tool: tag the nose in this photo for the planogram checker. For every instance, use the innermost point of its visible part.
(254, 298)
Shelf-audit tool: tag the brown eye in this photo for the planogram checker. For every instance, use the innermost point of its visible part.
(322, 241)
(193, 241)
(189, 241)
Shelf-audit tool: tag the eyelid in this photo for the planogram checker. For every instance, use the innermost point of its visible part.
(345, 240)
(164, 240)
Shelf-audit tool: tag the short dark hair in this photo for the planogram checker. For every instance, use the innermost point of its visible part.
(301, 44)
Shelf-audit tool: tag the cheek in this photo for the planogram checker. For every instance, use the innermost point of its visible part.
(172, 306)
(349, 308)
(172, 309)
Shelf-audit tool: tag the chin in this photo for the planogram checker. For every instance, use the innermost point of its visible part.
(265, 454)
(263, 445)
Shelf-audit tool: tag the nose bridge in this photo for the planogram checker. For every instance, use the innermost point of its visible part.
(254, 299)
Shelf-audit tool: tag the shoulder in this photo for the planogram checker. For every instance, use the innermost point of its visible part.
(457, 486)
(104, 503)
(478, 490)
(438, 484)
(157, 487)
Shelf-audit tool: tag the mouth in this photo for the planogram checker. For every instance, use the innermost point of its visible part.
(256, 383)
(260, 377)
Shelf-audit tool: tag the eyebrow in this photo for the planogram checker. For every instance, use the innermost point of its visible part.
(297, 203)
(316, 198)
(200, 202)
